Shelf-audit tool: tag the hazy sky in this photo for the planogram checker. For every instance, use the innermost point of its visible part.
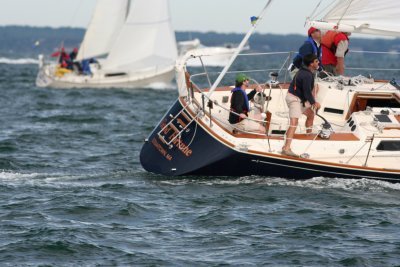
(284, 16)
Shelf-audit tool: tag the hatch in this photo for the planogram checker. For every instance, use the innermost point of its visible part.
(389, 145)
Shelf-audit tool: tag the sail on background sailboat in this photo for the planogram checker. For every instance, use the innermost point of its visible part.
(133, 41)
(108, 18)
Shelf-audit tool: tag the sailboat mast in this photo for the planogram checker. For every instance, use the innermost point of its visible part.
(239, 49)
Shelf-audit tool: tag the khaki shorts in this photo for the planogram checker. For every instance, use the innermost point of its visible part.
(296, 108)
(249, 125)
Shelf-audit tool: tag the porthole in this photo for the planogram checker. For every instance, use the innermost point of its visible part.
(351, 123)
(353, 128)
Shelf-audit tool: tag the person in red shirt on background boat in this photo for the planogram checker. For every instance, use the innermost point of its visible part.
(335, 46)
(63, 57)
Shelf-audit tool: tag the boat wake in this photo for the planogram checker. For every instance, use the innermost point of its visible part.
(18, 61)
(99, 179)
(161, 86)
(13, 176)
(65, 180)
(314, 183)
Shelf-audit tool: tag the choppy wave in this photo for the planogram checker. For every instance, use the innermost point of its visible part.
(74, 194)
(314, 183)
(62, 179)
(65, 180)
(18, 61)
(15, 176)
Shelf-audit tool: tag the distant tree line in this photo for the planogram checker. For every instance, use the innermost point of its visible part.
(24, 41)
(290, 42)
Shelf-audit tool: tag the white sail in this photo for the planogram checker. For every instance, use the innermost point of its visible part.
(107, 20)
(364, 16)
(146, 40)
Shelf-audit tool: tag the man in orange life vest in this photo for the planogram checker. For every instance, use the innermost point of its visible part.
(335, 46)
(300, 100)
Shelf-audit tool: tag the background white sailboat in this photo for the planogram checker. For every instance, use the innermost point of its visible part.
(133, 41)
(211, 56)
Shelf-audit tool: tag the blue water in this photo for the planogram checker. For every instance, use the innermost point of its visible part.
(73, 193)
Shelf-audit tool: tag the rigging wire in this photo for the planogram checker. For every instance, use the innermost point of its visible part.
(344, 13)
(72, 20)
(128, 8)
(240, 47)
(312, 13)
(75, 13)
(319, 14)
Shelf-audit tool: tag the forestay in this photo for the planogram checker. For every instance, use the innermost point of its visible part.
(107, 20)
(146, 40)
(363, 16)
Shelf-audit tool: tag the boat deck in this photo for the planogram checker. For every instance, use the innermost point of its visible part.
(347, 145)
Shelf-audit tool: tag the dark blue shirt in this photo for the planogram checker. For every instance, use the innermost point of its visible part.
(309, 47)
(239, 103)
(302, 85)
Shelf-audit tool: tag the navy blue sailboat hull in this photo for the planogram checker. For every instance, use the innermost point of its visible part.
(180, 146)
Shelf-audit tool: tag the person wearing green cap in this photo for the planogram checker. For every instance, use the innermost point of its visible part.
(240, 105)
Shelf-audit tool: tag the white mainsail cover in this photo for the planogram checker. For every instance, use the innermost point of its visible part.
(107, 20)
(379, 17)
(146, 40)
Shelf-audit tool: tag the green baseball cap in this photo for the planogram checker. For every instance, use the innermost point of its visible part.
(241, 77)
